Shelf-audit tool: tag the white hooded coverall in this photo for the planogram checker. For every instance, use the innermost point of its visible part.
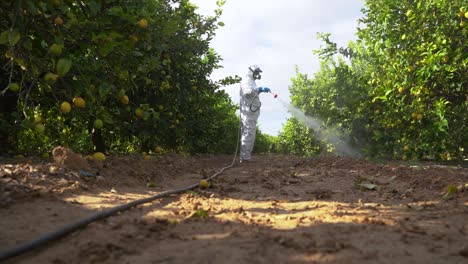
(249, 100)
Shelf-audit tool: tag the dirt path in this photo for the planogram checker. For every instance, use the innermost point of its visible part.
(279, 209)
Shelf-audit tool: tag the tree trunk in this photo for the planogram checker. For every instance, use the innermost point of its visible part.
(98, 141)
(8, 105)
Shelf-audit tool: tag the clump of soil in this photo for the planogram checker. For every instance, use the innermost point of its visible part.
(67, 158)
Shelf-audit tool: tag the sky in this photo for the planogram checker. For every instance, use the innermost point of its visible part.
(277, 35)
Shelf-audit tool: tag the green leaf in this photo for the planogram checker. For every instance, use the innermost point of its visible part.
(21, 63)
(151, 185)
(9, 37)
(451, 190)
(191, 193)
(104, 90)
(200, 213)
(137, 53)
(28, 45)
(94, 7)
(368, 185)
(63, 66)
(115, 11)
(107, 48)
(104, 115)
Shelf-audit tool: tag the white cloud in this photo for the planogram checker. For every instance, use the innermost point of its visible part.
(277, 35)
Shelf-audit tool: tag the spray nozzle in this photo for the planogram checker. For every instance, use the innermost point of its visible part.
(274, 95)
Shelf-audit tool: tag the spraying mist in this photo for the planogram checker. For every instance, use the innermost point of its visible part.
(342, 147)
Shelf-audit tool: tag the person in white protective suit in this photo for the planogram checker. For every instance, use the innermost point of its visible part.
(250, 110)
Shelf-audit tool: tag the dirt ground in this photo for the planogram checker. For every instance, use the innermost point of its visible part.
(277, 209)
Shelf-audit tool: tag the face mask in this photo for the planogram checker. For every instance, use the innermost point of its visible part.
(257, 76)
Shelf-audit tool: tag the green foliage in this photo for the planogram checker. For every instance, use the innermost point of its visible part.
(298, 139)
(264, 143)
(418, 53)
(402, 92)
(121, 57)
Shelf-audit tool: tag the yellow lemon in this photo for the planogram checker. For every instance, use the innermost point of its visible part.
(204, 184)
(58, 21)
(37, 119)
(139, 112)
(98, 124)
(50, 77)
(79, 102)
(14, 87)
(55, 49)
(143, 23)
(65, 107)
(157, 149)
(124, 99)
(39, 128)
(99, 156)
(133, 39)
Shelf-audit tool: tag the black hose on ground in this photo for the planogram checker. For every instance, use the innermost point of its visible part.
(67, 229)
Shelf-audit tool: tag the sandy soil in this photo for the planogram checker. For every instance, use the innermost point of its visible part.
(277, 209)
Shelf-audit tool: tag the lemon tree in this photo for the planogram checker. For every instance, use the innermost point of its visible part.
(131, 65)
(402, 90)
